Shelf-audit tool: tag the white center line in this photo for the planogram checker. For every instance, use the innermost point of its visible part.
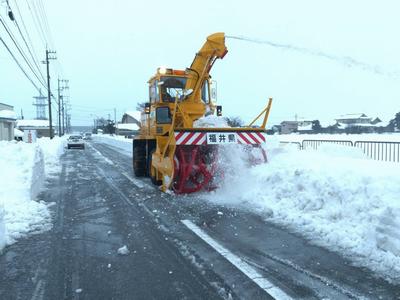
(244, 267)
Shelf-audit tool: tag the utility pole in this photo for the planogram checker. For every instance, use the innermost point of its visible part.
(59, 108)
(48, 58)
(61, 117)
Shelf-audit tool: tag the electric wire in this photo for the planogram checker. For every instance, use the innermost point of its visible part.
(31, 52)
(21, 51)
(19, 65)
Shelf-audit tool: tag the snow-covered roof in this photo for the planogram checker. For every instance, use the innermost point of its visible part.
(128, 126)
(134, 114)
(18, 133)
(8, 114)
(33, 123)
(353, 116)
(305, 127)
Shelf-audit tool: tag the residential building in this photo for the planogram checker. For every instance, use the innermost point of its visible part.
(41, 127)
(130, 124)
(7, 122)
(288, 127)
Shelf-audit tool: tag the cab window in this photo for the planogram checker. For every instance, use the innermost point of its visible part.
(154, 96)
(163, 115)
(205, 92)
(172, 87)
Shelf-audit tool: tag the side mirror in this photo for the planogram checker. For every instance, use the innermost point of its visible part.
(219, 110)
(147, 108)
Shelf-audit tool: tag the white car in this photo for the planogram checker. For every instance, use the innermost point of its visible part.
(75, 141)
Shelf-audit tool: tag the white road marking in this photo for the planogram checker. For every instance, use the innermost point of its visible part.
(244, 267)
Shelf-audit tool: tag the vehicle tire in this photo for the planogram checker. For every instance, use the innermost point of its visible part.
(139, 160)
(153, 178)
(68, 147)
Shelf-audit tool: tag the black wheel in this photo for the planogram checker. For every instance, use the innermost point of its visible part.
(68, 147)
(153, 178)
(139, 160)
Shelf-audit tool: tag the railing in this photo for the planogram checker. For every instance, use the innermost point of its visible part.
(298, 144)
(314, 144)
(383, 151)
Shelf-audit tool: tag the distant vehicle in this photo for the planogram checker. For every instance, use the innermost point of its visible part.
(87, 136)
(75, 141)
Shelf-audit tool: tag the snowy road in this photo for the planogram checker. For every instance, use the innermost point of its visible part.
(179, 247)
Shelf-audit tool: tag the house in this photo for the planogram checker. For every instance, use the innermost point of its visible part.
(130, 117)
(41, 127)
(130, 124)
(289, 127)
(7, 122)
(354, 120)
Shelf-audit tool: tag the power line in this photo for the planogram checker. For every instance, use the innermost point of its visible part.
(31, 52)
(20, 51)
(19, 65)
(36, 25)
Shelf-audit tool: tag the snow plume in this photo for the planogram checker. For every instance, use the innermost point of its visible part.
(343, 60)
(335, 197)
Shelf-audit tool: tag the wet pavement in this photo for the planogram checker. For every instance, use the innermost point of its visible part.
(100, 207)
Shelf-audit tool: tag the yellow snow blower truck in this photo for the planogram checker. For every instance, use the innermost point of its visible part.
(171, 148)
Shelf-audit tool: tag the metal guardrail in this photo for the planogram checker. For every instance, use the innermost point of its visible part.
(314, 144)
(383, 151)
(298, 144)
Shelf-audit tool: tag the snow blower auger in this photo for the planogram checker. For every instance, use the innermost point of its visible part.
(172, 148)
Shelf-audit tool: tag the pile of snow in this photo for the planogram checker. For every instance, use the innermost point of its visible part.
(117, 141)
(384, 137)
(22, 176)
(52, 150)
(211, 121)
(335, 197)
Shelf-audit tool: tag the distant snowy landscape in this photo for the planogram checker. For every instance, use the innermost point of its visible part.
(23, 171)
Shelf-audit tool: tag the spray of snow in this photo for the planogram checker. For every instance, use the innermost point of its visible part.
(211, 121)
(343, 60)
(334, 196)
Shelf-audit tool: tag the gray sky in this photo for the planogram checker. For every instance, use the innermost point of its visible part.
(109, 49)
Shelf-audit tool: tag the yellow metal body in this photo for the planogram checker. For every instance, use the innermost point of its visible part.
(176, 99)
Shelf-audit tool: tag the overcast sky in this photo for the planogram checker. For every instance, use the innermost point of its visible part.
(109, 49)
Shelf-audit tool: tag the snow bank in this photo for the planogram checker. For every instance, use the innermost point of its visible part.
(119, 142)
(52, 150)
(22, 178)
(388, 137)
(335, 197)
(211, 121)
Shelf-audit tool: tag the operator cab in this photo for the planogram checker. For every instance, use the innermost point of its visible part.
(171, 87)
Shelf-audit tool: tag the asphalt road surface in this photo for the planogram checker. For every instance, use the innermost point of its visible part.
(179, 247)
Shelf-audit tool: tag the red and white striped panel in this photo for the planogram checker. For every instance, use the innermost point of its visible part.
(190, 138)
(250, 138)
(200, 138)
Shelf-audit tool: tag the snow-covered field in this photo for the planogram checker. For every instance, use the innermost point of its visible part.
(336, 197)
(24, 168)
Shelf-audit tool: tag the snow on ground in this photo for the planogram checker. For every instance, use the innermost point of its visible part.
(336, 197)
(387, 137)
(123, 144)
(23, 171)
